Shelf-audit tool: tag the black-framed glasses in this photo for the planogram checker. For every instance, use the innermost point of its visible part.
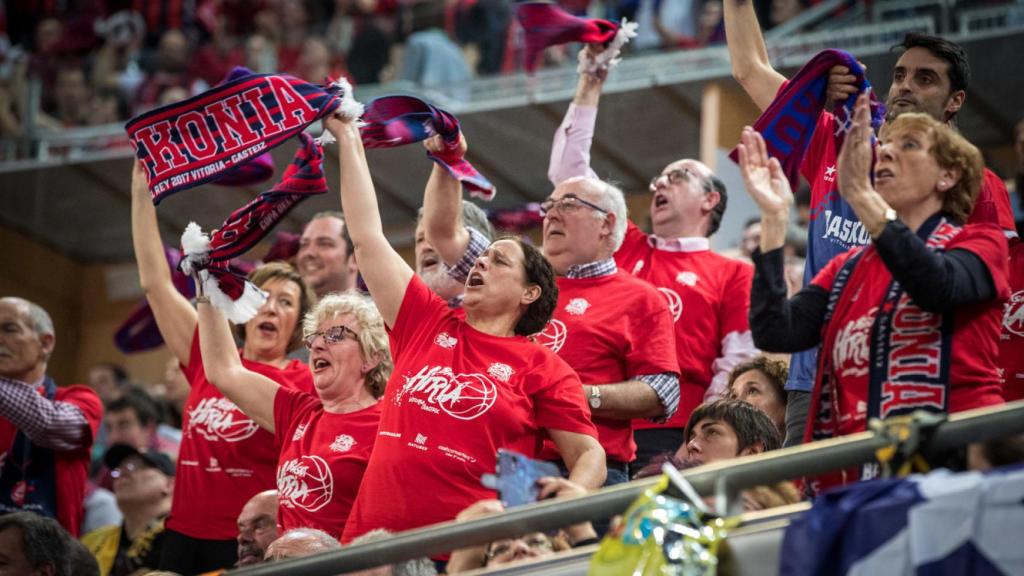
(680, 175)
(332, 335)
(567, 203)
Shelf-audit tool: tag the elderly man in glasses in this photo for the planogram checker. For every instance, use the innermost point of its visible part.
(708, 294)
(613, 329)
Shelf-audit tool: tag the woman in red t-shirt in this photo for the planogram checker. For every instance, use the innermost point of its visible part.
(461, 388)
(909, 322)
(325, 440)
(224, 459)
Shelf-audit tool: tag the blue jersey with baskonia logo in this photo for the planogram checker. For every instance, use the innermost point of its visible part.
(833, 228)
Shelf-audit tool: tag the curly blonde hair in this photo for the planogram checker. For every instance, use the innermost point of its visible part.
(373, 340)
(952, 152)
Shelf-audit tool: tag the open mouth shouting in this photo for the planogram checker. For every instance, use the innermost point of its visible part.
(475, 280)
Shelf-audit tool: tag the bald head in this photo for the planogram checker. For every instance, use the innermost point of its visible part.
(299, 542)
(26, 339)
(257, 527)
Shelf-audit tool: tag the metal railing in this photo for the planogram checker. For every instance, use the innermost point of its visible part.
(715, 479)
(981, 19)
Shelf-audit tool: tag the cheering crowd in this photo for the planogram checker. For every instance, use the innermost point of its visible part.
(361, 396)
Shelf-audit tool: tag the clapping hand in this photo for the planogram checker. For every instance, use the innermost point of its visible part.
(855, 158)
(763, 176)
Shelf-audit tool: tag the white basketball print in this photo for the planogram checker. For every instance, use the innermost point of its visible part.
(305, 483)
(675, 303)
(470, 396)
(553, 335)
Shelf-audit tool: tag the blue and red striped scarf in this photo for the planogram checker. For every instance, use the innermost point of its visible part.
(788, 123)
(391, 121)
(203, 138)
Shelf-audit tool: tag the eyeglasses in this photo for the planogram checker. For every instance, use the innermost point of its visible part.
(130, 467)
(332, 335)
(567, 203)
(680, 175)
(535, 542)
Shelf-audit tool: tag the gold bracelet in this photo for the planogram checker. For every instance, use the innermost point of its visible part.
(202, 299)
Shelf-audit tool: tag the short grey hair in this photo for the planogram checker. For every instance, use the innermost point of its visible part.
(37, 316)
(613, 200)
(422, 566)
(373, 339)
(472, 217)
(310, 540)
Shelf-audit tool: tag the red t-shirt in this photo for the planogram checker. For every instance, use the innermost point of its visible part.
(71, 467)
(1011, 340)
(708, 296)
(225, 457)
(611, 329)
(323, 457)
(456, 395)
(972, 352)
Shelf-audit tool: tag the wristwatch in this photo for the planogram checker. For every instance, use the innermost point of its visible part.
(890, 215)
(595, 397)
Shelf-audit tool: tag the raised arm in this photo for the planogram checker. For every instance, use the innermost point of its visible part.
(174, 315)
(253, 393)
(777, 324)
(570, 151)
(442, 208)
(389, 275)
(748, 54)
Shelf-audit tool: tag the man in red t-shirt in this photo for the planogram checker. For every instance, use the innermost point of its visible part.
(615, 331)
(708, 294)
(46, 433)
(930, 77)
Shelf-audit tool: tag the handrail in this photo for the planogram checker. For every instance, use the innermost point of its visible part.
(741, 473)
(810, 16)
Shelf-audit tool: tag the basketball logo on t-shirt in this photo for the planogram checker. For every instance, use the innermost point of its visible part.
(577, 306)
(553, 336)
(220, 419)
(305, 483)
(343, 443)
(852, 350)
(436, 389)
(1013, 314)
(687, 279)
(675, 303)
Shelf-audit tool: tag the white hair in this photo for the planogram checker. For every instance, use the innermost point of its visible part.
(613, 200)
(41, 322)
(416, 567)
(373, 340)
(299, 542)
